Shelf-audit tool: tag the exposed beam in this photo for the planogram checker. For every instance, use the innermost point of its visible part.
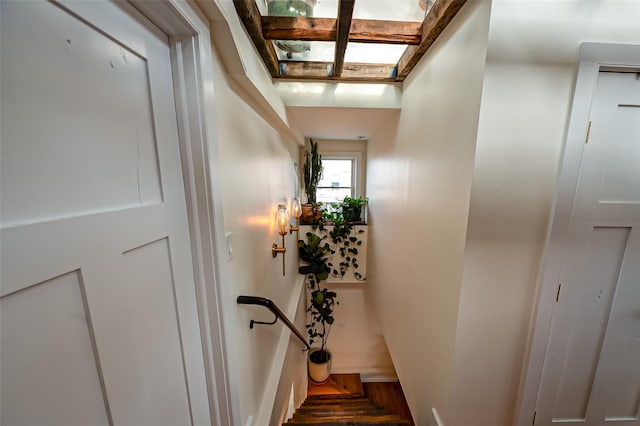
(324, 71)
(345, 13)
(306, 69)
(250, 16)
(324, 29)
(391, 32)
(436, 21)
(379, 72)
(298, 28)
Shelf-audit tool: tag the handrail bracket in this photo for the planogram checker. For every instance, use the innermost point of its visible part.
(252, 322)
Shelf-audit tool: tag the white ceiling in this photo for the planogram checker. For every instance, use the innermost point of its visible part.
(340, 123)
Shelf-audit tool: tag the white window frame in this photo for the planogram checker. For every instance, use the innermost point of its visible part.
(357, 168)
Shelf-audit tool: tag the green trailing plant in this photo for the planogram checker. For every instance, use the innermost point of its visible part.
(312, 172)
(352, 208)
(343, 235)
(314, 252)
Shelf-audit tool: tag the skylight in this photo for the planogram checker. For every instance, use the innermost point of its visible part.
(348, 40)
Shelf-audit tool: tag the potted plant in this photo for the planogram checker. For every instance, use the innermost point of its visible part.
(312, 173)
(352, 208)
(314, 252)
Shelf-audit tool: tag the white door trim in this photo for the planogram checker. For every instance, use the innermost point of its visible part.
(191, 57)
(592, 57)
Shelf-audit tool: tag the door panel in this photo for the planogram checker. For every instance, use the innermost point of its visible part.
(591, 373)
(96, 288)
(149, 278)
(45, 344)
(590, 322)
(89, 96)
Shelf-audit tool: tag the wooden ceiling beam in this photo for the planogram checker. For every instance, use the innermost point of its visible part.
(298, 28)
(325, 29)
(389, 32)
(250, 16)
(324, 71)
(345, 14)
(419, 36)
(442, 12)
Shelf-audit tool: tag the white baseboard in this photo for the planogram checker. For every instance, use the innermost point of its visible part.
(379, 376)
(369, 374)
(435, 418)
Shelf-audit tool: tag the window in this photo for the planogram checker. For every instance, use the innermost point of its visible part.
(337, 180)
(341, 177)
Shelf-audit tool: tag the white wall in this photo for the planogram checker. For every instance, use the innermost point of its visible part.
(525, 104)
(419, 181)
(356, 341)
(256, 173)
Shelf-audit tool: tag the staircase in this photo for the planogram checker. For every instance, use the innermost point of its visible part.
(343, 402)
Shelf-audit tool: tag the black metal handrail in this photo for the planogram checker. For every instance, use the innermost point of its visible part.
(268, 303)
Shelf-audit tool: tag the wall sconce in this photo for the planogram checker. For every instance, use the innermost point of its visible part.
(281, 219)
(296, 212)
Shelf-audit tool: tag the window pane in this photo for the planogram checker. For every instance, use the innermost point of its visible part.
(296, 50)
(322, 8)
(370, 53)
(392, 10)
(336, 173)
(332, 195)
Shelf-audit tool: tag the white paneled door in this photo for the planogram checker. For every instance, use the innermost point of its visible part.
(98, 310)
(591, 373)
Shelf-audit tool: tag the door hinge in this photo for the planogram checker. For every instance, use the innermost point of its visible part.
(586, 141)
(558, 293)
(533, 422)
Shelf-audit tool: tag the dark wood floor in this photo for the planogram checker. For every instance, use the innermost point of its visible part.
(387, 394)
(390, 396)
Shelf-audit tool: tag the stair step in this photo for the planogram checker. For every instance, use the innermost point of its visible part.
(337, 397)
(343, 401)
(379, 420)
(370, 411)
(338, 384)
(350, 401)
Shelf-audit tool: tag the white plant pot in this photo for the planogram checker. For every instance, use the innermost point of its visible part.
(318, 372)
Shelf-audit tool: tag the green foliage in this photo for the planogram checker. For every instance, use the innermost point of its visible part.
(352, 208)
(312, 172)
(314, 252)
(344, 217)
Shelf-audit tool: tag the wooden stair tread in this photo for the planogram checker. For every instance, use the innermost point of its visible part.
(338, 384)
(343, 401)
(337, 397)
(386, 419)
(355, 422)
(369, 411)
